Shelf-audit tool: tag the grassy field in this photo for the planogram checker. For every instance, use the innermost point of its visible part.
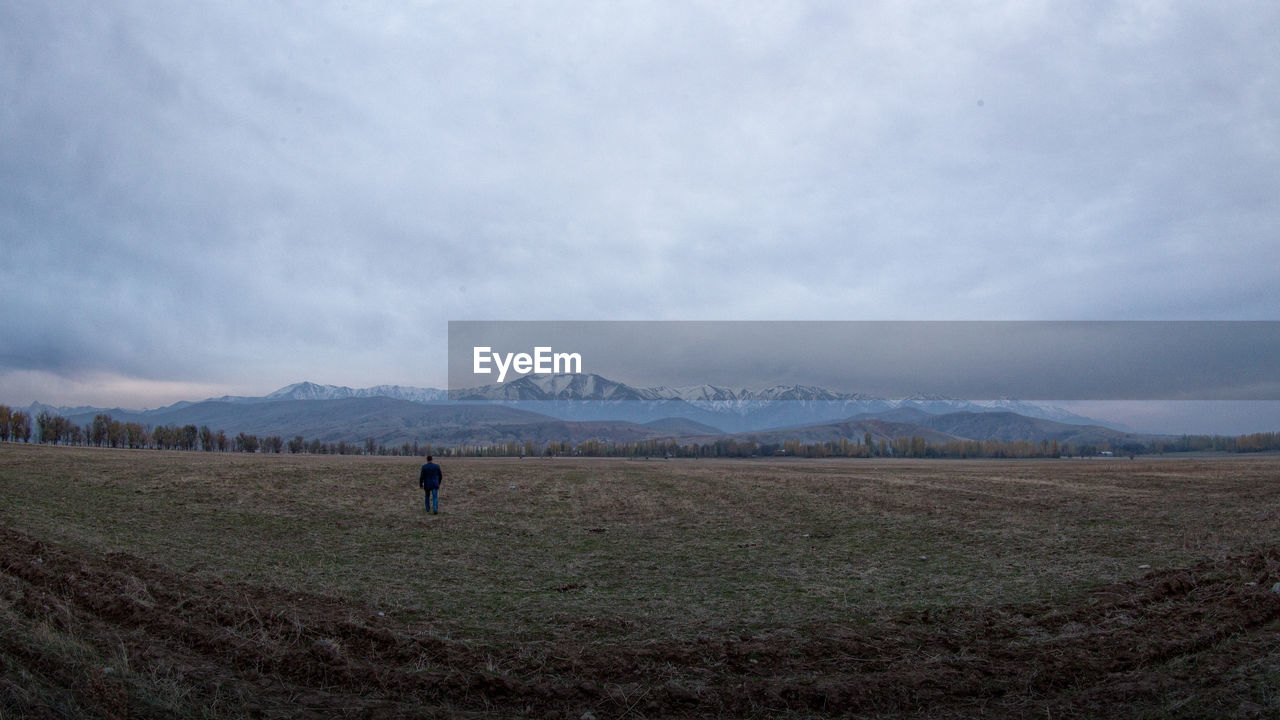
(230, 585)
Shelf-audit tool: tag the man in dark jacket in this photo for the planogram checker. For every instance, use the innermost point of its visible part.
(429, 479)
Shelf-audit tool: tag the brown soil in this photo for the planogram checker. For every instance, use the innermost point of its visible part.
(1122, 650)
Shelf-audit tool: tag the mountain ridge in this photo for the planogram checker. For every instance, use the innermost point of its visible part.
(727, 408)
(573, 406)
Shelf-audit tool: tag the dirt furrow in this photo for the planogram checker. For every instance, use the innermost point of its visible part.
(276, 652)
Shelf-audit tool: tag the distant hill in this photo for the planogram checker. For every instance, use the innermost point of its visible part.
(1011, 427)
(910, 415)
(682, 426)
(393, 422)
(938, 429)
(387, 420)
(852, 430)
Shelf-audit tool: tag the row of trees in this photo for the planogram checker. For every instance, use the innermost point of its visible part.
(104, 431)
(904, 447)
(15, 425)
(1254, 442)
(866, 447)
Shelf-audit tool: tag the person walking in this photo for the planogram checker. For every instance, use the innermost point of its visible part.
(429, 479)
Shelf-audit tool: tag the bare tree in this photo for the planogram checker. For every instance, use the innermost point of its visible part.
(20, 426)
(98, 430)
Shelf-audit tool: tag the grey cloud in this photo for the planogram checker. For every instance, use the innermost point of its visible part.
(314, 189)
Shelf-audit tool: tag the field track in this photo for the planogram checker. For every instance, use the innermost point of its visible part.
(279, 653)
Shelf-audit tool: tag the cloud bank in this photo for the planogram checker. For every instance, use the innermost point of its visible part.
(241, 195)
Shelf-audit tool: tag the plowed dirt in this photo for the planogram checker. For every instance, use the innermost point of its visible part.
(1121, 650)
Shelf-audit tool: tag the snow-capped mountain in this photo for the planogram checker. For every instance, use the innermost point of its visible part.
(313, 391)
(593, 397)
(587, 396)
(699, 393)
(590, 397)
(564, 387)
(588, 386)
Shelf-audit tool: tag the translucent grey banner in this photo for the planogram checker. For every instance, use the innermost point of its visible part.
(1059, 360)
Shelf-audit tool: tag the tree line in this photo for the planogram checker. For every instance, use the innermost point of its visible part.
(867, 447)
(15, 425)
(104, 431)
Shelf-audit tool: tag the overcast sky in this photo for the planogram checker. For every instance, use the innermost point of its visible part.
(199, 199)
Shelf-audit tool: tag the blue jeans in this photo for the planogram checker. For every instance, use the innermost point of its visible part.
(432, 499)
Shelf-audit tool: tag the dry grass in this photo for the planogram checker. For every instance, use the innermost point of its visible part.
(642, 550)
(142, 583)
